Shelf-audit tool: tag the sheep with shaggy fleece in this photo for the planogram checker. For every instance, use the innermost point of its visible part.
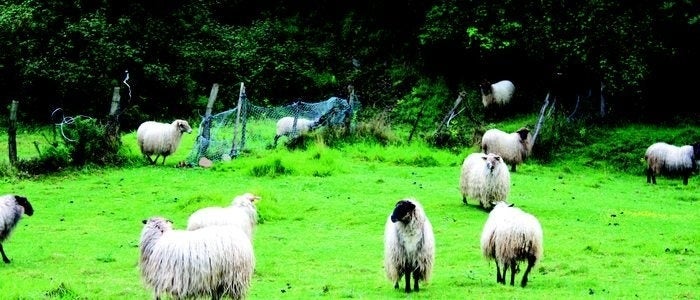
(160, 139)
(12, 207)
(499, 93)
(409, 245)
(213, 261)
(514, 147)
(242, 213)
(484, 177)
(285, 127)
(510, 236)
(663, 158)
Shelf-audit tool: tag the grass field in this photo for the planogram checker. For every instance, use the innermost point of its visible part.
(607, 234)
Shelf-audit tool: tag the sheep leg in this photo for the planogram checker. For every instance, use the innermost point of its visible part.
(4, 257)
(464, 199)
(274, 144)
(512, 168)
(685, 178)
(651, 177)
(513, 271)
(530, 263)
(415, 281)
(148, 157)
(499, 278)
(407, 288)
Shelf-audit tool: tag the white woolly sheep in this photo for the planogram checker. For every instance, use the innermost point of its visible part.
(409, 245)
(514, 147)
(213, 261)
(498, 93)
(285, 127)
(160, 139)
(484, 177)
(511, 235)
(241, 213)
(11, 209)
(663, 158)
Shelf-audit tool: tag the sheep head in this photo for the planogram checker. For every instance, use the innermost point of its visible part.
(485, 87)
(492, 161)
(24, 202)
(523, 132)
(403, 211)
(183, 126)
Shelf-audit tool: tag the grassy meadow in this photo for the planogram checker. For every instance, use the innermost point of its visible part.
(607, 233)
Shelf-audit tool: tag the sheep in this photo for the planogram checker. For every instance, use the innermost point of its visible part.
(484, 177)
(285, 127)
(241, 213)
(514, 147)
(160, 139)
(511, 235)
(672, 160)
(212, 261)
(409, 245)
(11, 209)
(499, 93)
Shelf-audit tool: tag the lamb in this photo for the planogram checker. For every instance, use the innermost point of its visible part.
(484, 177)
(514, 147)
(499, 93)
(11, 209)
(409, 245)
(511, 235)
(160, 139)
(212, 261)
(671, 160)
(241, 213)
(285, 127)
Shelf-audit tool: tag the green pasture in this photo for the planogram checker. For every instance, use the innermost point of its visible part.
(607, 233)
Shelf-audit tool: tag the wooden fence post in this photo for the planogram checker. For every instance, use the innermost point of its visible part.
(204, 138)
(234, 147)
(113, 119)
(12, 133)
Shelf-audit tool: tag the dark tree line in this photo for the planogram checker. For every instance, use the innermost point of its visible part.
(70, 54)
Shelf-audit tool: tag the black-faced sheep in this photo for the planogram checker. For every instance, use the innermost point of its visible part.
(499, 93)
(409, 245)
(511, 235)
(663, 158)
(242, 213)
(12, 207)
(213, 261)
(514, 147)
(285, 127)
(484, 177)
(160, 139)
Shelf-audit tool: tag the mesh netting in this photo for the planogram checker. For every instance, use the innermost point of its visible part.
(221, 136)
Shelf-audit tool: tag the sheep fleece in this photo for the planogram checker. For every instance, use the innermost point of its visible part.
(196, 263)
(241, 213)
(480, 182)
(411, 244)
(509, 146)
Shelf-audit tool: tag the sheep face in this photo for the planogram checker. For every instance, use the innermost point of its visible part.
(523, 132)
(402, 211)
(183, 126)
(24, 202)
(492, 161)
(485, 87)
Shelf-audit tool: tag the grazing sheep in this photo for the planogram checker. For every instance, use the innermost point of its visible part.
(663, 158)
(498, 93)
(241, 213)
(285, 127)
(484, 177)
(11, 209)
(155, 138)
(514, 147)
(511, 235)
(409, 244)
(212, 261)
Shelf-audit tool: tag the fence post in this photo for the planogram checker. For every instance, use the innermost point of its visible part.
(113, 119)
(241, 98)
(204, 137)
(12, 133)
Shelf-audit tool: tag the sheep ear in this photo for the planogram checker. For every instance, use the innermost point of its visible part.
(144, 221)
